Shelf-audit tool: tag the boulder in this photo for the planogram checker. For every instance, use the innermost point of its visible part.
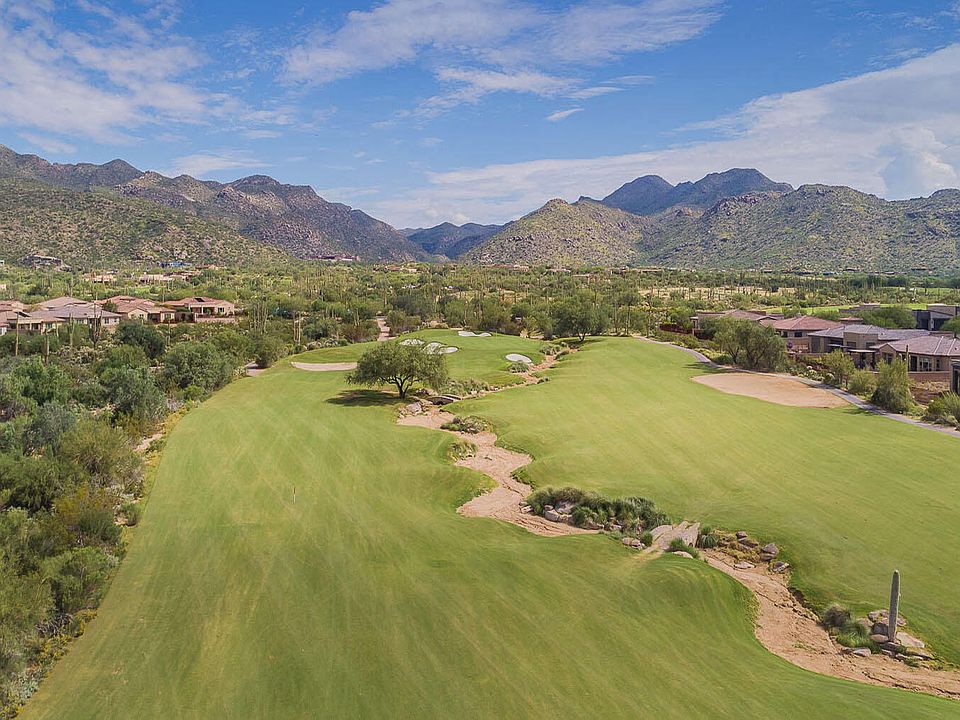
(780, 566)
(766, 557)
(615, 528)
(874, 616)
(551, 515)
(741, 534)
(747, 542)
(877, 638)
(909, 641)
(770, 549)
(918, 653)
(526, 509)
(860, 652)
(880, 628)
(682, 553)
(632, 542)
(592, 524)
(414, 408)
(744, 565)
(689, 533)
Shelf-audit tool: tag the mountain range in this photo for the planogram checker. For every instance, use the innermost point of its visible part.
(291, 218)
(450, 240)
(114, 212)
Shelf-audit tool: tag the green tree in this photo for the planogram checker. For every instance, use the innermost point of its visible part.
(401, 365)
(579, 316)
(266, 351)
(952, 326)
(891, 316)
(134, 394)
(104, 454)
(893, 387)
(200, 364)
(144, 336)
(43, 383)
(49, 424)
(78, 577)
(24, 601)
(840, 366)
(751, 345)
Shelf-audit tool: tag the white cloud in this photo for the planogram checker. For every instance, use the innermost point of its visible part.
(894, 132)
(101, 86)
(562, 114)
(496, 45)
(203, 163)
(48, 144)
(591, 92)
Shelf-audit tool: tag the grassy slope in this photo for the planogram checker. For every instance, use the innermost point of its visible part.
(849, 495)
(371, 597)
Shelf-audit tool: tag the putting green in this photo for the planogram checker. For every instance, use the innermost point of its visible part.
(368, 596)
(849, 495)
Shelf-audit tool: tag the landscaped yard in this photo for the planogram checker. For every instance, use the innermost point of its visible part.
(849, 496)
(300, 556)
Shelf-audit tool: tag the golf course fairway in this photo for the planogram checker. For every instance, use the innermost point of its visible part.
(848, 496)
(300, 557)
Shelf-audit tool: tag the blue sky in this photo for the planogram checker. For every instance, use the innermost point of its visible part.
(420, 111)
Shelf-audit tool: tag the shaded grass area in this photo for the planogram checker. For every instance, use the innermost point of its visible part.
(850, 496)
(303, 558)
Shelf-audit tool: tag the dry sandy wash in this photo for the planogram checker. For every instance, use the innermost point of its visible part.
(772, 388)
(324, 367)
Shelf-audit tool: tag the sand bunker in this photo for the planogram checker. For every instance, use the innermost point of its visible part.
(772, 388)
(516, 357)
(449, 349)
(470, 333)
(411, 341)
(324, 367)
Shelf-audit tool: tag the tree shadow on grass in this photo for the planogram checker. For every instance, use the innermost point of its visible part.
(365, 398)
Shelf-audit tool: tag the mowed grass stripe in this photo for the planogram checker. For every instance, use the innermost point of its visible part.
(370, 597)
(849, 495)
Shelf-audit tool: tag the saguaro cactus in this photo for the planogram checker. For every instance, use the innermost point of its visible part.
(894, 612)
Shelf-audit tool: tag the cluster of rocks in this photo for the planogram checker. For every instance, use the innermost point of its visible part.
(750, 553)
(559, 514)
(904, 647)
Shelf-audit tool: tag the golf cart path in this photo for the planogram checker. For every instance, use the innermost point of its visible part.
(786, 628)
(849, 397)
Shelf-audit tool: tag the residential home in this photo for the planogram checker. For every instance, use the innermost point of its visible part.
(8, 305)
(796, 330)
(60, 302)
(203, 309)
(929, 358)
(142, 309)
(51, 314)
(748, 315)
(935, 315)
(155, 278)
(858, 340)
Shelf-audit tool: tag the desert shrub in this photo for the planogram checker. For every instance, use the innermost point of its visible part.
(722, 358)
(708, 538)
(646, 538)
(861, 382)
(468, 386)
(945, 408)
(854, 639)
(466, 424)
(678, 545)
(78, 577)
(518, 367)
(461, 449)
(835, 616)
(893, 387)
(633, 514)
(132, 512)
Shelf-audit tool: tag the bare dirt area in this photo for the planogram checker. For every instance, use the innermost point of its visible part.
(324, 367)
(772, 388)
(789, 630)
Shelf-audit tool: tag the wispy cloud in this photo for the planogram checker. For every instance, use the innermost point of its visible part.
(487, 46)
(201, 164)
(48, 144)
(562, 114)
(893, 132)
(101, 85)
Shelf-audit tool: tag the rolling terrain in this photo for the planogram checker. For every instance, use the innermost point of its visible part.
(291, 218)
(814, 481)
(91, 228)
(300, 556)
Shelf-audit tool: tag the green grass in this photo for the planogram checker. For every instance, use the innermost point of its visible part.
(849, 496)
(370, 597)
(478, 357)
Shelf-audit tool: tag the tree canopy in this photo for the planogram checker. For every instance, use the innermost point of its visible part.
(751, 345)
(401, 365)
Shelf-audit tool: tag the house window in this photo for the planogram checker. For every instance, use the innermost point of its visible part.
(924, 364)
